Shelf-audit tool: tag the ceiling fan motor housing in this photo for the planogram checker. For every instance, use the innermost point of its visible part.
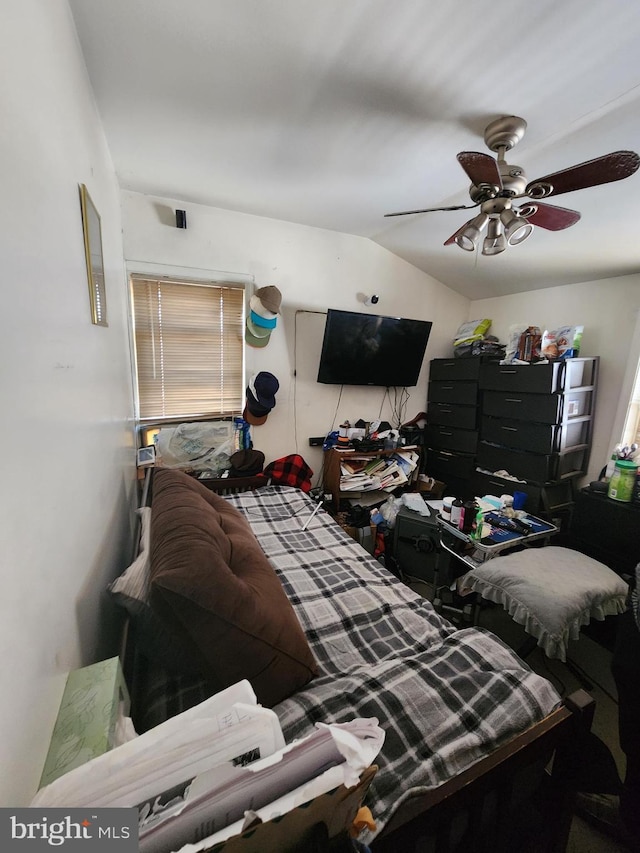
(504, 132)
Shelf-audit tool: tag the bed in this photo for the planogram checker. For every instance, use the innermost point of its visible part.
(480, 752)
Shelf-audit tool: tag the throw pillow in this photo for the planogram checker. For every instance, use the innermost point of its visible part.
(213, 586)
(551, 591)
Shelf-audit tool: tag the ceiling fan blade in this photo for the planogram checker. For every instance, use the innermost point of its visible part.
(480, 168)
(549, 216)
(433, 209)
(455, 233)
(601, 170)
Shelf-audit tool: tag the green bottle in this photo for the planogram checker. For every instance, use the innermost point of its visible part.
(478, 525)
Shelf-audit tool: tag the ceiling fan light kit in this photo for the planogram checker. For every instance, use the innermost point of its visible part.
(467, 238)
(495, 241)
(496, 184)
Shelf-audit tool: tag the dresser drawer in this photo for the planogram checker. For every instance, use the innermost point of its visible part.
(460, 393)
(490, 484)
(535, 437)
(456, 369)
(443, 465)
(451, 438)
(543, 408)
(444, 414)
(521, 435)
(535, 467)
(532, 379)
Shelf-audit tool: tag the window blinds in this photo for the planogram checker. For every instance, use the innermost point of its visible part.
(188, 347)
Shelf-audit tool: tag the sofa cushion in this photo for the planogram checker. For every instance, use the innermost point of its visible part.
(214, 588)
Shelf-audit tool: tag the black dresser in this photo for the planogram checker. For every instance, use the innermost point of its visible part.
(451, 435)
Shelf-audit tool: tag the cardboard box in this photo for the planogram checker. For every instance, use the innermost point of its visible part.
(365, 536)
(92, 699)
(431, 489)
(336, 810)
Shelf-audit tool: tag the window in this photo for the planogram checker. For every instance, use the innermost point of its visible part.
(188, 338)
(631, 431)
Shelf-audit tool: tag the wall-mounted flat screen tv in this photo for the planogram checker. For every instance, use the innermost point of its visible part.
(365, 349)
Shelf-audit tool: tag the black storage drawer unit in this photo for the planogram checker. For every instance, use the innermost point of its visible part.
(457, 369)
(451, 435)
(443, 465)
(463, 417)
(543, 408)
(460, 393)
(451, 438)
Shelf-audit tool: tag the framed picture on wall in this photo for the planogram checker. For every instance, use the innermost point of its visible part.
(93, 252)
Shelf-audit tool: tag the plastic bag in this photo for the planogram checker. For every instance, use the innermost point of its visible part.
(563, 342)
(206, 446)
(474, 330)
(390, 509)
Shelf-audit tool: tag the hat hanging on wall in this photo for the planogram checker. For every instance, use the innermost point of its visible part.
(263, 316)
(270, 298)
(255, 335)
(261, 397)
(257, 307)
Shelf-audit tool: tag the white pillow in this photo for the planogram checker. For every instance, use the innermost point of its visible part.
(132, 587)
(132, 590)
(551, 592)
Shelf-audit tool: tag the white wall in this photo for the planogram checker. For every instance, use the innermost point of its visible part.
(608, 310)
(65, 433)
(315, 270)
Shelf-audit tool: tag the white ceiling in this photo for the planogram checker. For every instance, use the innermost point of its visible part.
(334, 112)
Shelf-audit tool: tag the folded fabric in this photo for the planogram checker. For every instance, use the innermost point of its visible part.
(290, 471)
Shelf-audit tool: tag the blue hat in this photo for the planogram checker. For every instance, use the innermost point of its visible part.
(264, 322)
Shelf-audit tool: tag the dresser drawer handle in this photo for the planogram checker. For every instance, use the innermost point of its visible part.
(445, 432)
(447, 387)
(446, 411)
(512, 400)
(510, 429)
(506, 372)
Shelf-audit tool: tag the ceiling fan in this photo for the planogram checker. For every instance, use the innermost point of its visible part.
(496, 185)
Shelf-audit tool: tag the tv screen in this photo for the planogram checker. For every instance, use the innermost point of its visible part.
(365, 349)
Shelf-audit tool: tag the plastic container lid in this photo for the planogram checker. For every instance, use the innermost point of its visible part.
(626, 464)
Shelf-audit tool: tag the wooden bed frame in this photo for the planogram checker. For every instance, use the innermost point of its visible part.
(520, 797)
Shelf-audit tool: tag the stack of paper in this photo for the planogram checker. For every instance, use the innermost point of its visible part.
(195, 776)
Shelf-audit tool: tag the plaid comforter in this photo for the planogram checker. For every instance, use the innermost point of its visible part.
(445, 697)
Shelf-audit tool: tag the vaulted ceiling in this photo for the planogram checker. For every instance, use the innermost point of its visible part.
(332, 113)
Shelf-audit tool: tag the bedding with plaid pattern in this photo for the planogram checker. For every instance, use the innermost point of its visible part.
(445, 697)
